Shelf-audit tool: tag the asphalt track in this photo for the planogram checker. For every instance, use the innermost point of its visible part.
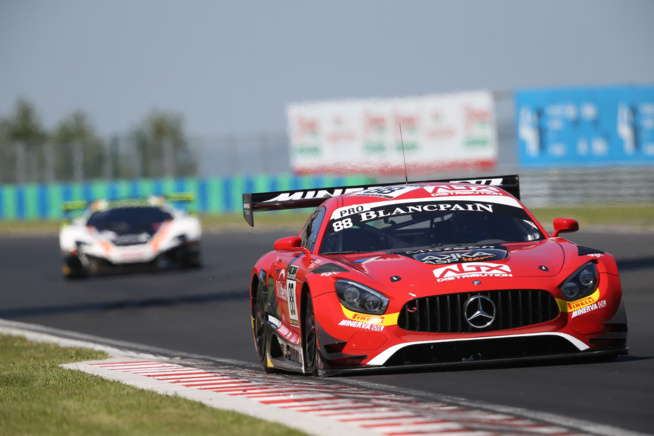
(205, 312)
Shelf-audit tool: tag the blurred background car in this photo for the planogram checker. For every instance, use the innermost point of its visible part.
(129, 234)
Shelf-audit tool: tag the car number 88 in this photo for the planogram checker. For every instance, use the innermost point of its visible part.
(343, 224)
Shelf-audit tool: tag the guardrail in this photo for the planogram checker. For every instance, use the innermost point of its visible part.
(620, 185)
(215, 196)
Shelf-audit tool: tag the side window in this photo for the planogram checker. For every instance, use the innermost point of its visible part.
(310, 232)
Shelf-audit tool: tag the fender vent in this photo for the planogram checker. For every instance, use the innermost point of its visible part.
(586, 250)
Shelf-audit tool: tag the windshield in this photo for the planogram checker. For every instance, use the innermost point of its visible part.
(390, 226)
(129, 220)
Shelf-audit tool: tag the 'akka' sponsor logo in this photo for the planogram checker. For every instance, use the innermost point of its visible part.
(460, 257)
(469, 270)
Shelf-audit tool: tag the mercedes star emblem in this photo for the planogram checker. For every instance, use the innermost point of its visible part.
(479, 311)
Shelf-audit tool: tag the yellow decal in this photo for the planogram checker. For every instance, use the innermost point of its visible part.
(387, 319)
(570, 306)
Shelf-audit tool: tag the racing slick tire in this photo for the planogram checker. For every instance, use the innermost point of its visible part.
(193, 258)
(72, 268)
(313, 363)
(259, 328)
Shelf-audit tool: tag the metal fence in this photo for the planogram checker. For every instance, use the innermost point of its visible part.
(576, 186)
(268, 154)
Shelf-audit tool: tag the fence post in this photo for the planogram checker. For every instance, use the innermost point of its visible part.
(21, 163)
(78, 161)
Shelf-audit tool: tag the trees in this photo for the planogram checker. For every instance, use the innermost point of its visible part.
(162, 147)
(73, 151)
(79, 152)
(21, 145)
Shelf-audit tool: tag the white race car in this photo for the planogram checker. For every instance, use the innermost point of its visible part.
(124, 235)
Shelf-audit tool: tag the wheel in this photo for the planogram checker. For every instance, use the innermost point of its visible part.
(72, 268)
(259, 328)
(193, 258)
(313, 363)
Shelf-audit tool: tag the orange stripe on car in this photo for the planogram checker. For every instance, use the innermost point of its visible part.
(106, 246)
(161, 234)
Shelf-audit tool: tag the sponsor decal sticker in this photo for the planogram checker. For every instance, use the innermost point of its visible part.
(329, 274)
(292, 297)
(571, 306)
(383, 320)
(388, 191)
(307, 195)
(468, 270)
(599, 305)
(442, 191)
(280, 286)
(341, 222)
(460, 256)
(361, 325)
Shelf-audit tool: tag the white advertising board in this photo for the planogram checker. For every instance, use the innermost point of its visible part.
(379, 135)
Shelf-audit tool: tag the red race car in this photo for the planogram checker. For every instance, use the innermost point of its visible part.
(427, 274)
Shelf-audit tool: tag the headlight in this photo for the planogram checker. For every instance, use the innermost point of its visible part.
(360, 298)
(582, 283)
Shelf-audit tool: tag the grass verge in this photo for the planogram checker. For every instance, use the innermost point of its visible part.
(639, 216)
(37, 397)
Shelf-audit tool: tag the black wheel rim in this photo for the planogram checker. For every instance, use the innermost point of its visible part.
(310, 339)
(259, 329)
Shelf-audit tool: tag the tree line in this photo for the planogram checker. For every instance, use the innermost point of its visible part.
(156, 147)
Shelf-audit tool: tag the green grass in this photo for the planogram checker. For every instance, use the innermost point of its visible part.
(640, 216)
(37, 397)
(628, 215)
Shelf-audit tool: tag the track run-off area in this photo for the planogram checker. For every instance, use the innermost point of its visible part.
(189, 333)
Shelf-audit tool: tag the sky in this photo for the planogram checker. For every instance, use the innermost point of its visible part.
(232, 67)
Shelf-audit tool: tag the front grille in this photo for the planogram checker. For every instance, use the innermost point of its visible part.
(446, 313)
(126, 240)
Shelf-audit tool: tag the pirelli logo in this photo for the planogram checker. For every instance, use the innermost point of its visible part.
(571, 306)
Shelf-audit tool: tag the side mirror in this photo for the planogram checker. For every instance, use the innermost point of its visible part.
(564, 225)
(291, 243)
(287, 244)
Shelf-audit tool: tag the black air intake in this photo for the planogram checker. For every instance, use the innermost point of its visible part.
(446, 313)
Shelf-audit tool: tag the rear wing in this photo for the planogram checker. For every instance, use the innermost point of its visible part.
(302, 198)
(70, 206)
(156, 200)
(180, 196)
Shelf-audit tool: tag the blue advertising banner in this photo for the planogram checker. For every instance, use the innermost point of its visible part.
(585, 126)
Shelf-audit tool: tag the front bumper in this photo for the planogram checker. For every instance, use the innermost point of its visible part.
(349, 345)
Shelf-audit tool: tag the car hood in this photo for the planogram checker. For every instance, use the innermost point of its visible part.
(447, 264)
